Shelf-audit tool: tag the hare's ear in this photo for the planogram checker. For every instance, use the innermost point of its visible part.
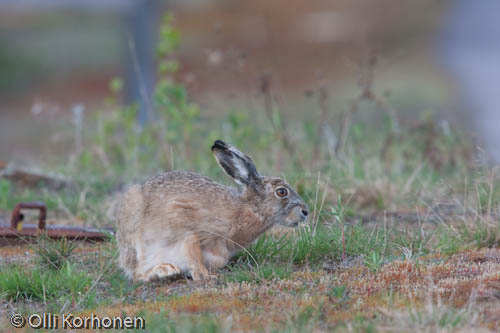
(235, 163)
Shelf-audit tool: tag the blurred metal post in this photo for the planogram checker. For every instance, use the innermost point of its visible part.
(470, 49)
(141, 39)
(140, 17)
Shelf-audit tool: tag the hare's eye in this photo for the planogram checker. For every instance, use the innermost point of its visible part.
(281, 192)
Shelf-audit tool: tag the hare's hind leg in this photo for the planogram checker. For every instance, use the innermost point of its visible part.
(160, 271)
(157, 261)
(128, 260)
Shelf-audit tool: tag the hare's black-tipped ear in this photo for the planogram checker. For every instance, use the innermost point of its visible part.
(235, 163)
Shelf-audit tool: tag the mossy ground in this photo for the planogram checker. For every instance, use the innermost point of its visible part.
(436, 292)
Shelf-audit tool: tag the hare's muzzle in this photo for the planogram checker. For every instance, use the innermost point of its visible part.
(296, 216)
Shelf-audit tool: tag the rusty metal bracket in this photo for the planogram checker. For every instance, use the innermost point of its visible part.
(25, 232)
(17, 216)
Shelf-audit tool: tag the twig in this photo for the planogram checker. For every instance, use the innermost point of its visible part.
(322, 102)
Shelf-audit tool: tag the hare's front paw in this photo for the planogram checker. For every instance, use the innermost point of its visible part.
(160, 271)
(203, 277)
(202, 273)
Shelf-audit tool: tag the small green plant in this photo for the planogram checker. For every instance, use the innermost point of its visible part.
(339, 292)
(448, 242)
(52, 254)
(374, 261)
(311, 246)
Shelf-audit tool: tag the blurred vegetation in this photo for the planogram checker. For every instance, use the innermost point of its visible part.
(366, 144)
(363, 153)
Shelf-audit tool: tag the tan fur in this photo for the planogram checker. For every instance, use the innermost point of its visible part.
(183, 222)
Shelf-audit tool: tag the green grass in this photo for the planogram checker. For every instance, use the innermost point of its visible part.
(313, 246)
(21, 283)
(271, 257)
(61, 278)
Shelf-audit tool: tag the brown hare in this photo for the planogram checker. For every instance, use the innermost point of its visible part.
(181, 222)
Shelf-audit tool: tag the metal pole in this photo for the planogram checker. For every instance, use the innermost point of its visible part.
(141, 36)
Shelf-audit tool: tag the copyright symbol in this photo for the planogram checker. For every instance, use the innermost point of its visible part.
(17, 320)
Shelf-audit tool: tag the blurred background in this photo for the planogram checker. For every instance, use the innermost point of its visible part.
(55, 55)
(62, 61)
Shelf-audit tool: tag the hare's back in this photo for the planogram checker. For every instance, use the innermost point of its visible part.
(187, 200)
(188, 186)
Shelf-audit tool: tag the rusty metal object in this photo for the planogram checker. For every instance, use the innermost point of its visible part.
(18, 231)
(17, 216)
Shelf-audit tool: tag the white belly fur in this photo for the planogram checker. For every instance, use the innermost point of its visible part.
(176, 254)
(158, 253)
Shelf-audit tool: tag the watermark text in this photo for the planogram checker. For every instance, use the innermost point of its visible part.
(69, 321)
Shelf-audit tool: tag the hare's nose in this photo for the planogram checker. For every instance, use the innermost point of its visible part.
(304, 212)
